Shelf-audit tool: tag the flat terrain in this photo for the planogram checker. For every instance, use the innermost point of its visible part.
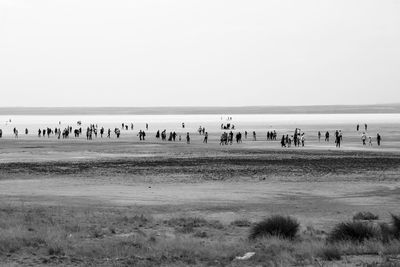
(318, 185)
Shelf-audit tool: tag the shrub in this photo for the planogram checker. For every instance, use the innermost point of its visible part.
(366, 216)
(284, 227)
(353, 231)
(396, 226)
(386, 232)
(330, 253)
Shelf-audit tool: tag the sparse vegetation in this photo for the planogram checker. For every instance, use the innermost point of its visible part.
(277, 225)
(241, 223)
(330, 253)
(188, 224)
(74, 236)
(365, 216)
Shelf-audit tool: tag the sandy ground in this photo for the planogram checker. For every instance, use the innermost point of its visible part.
(316, 184)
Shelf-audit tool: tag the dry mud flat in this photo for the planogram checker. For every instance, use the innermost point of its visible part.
(129, 210)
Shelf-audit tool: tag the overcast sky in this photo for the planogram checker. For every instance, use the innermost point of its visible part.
(167, 53)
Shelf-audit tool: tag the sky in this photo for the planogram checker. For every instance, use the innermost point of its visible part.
(199, 53)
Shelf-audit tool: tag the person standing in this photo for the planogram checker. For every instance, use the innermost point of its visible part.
(337, 140)
(378, 139)
(205, 137)
(187, 138)
(319, 136)
(283, 143)
(363, 138)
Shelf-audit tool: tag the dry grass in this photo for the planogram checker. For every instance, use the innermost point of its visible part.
(120, 237)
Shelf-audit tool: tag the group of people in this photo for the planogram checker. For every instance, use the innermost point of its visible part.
(227, 138)
(364, 136)
(364, 139)
(298, 139)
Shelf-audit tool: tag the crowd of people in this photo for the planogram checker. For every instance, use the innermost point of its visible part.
(297, 139)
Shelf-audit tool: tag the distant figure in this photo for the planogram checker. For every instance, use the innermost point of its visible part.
(187, 138)
(147, 126)
(302, 139)
(254, 136)
(183, 125)
(205, 137)
(378, 139)
(26, 131)
(364, 139)
(370, 141)
(358, 127)
(319, 136)
(327, 137)
(245, 134)
(283, 144)
(239, 137)
(337, 139)
(1, 133)
(366, 127)
(109, 133)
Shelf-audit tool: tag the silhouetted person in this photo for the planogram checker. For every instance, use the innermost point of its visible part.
(205, 137)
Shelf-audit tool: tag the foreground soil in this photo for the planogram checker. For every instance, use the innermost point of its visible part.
(134, 196)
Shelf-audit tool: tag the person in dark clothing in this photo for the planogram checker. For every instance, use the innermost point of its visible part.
(283, 144)
(378, 139)
(187, 138)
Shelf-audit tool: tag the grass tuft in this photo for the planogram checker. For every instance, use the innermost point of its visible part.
(353, 231)
(277, 225)
(330, 253)
(365, 216)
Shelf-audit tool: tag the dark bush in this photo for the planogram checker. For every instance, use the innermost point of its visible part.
(285, 227)
(386, 232)
(365, 216)
(396, 226)
(353, 231)
(330, 253)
